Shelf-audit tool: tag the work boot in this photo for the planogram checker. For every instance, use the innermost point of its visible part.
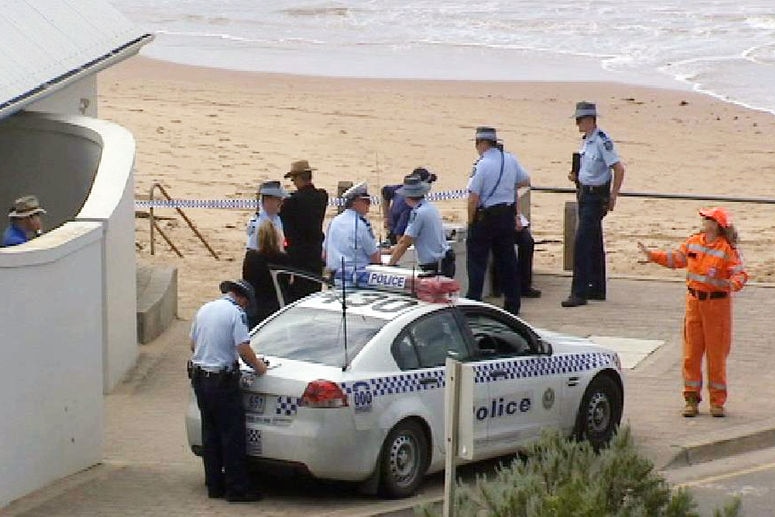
(691, 409)
(573, 301)
(530, 292)
(717, 411)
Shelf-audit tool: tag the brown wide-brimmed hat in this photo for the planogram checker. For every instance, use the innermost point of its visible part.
(25, 207)
(299, 167)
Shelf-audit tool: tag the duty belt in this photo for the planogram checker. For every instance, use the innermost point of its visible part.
(704, 295)
(595, 189)
(207, 372)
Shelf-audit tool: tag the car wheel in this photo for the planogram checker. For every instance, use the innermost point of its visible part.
(600, 412)
(403, 460)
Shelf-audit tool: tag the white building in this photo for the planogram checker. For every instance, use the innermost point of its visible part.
(68, 316)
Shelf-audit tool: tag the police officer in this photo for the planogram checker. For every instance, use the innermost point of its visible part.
(25, 222)
(302, 217)
(395, 209)
(219, 334)
(492, 197)
(425, 230)
(270, 199)
(596, 197)
(350, 239)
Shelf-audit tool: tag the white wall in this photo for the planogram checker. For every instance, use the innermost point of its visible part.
(78, 98)
(51, 386)
(69, 313)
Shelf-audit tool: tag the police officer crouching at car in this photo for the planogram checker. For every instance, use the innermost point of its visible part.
(492, 197)
(425, 230)
(219, 334)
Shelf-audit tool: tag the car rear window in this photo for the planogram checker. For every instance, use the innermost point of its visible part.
(315, 335)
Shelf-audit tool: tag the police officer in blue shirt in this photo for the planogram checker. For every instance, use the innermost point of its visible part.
(425, 230)
(350, 240)
(395, 209)
(25, 222)
(596, 196)
(219, 334)
(270, 199)
(492, 197)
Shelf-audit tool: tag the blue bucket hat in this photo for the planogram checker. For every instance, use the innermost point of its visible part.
(486, 133)
(585, 109)
(413, 187)
(272, 188)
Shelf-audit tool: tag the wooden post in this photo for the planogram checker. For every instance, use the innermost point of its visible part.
(341, 187)
(569, 235)
(523, 205)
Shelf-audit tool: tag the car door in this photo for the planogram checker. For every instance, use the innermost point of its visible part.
(524, 383)
(422, 349)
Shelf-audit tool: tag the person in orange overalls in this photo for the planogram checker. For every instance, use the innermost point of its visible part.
(714, 268)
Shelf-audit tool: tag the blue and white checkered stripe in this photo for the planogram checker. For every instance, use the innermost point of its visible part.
(252, 204)
(402, 383)
(541, 366)
(286, 406)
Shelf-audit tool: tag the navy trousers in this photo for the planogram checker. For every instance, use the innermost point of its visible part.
(589, 253)
(493, 233)
(526, 247)
(223, 433)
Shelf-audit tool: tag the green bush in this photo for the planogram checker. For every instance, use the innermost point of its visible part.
(557, 477)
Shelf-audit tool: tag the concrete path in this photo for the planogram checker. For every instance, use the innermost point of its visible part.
(148, 469)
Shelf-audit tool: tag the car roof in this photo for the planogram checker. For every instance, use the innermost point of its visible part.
(368, 302)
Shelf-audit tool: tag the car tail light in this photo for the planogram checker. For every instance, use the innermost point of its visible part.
(323, 394)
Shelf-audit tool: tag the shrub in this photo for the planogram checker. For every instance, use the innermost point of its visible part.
(557, 477)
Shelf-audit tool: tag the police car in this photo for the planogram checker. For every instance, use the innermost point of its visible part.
(355, 386)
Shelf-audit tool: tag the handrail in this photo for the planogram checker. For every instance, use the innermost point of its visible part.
(659, 195)
(155, 225)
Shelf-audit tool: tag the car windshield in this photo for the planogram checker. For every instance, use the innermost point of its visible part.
(314, 335)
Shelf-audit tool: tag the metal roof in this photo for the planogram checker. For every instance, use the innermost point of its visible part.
(47, 44)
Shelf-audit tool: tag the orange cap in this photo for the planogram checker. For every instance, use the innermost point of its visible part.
(718, 214)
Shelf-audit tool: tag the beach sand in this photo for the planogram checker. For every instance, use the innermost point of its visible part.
(214, 134)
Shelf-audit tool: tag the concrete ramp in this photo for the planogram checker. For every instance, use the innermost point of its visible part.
(157, 300)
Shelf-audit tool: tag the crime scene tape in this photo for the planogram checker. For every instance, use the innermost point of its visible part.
(245, 204)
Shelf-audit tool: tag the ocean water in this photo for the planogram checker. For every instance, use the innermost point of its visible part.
(724, 48)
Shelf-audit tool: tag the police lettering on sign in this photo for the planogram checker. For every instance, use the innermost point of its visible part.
(499, 408)
(386, 280)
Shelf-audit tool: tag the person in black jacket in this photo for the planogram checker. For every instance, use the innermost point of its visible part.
(302, 216)
(255, 269)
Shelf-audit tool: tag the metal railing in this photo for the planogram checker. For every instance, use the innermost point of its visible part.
(570, 214)
(658, 195)
(155, 225)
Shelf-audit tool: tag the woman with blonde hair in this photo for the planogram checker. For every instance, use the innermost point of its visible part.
(255, 269)
(714, 269)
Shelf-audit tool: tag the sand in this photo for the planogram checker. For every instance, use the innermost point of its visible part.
(213, 134)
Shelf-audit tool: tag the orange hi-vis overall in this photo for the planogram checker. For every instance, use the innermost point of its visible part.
(713, 270)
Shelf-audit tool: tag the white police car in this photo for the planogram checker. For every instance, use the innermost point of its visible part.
(358, 394)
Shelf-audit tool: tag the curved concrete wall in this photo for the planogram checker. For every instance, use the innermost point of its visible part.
(69, 331)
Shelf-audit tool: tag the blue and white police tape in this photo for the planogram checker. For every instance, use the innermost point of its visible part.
(252, 204)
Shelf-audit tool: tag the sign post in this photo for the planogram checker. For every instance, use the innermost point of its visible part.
(451, 420)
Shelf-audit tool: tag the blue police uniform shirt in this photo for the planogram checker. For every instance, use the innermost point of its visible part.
(398, 215)
(485, 178)
(218, 328)
(14, 235)
(598, 155)
(426, 228)
(350, 237)
(257, 220)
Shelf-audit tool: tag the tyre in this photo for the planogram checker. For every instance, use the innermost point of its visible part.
(600, 412)
(403, 460)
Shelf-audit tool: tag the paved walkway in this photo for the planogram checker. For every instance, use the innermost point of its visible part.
(148, 469)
